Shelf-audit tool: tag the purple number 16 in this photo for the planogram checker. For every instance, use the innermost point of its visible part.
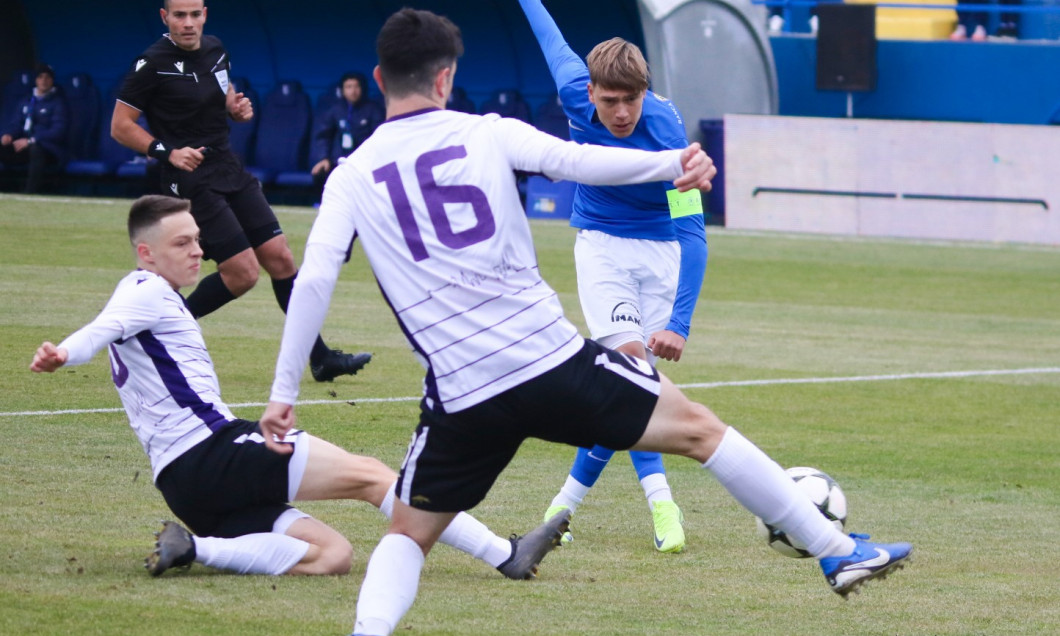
(436, 196)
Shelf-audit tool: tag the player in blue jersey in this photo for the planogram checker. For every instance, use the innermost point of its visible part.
(212, 468)
(641, 250)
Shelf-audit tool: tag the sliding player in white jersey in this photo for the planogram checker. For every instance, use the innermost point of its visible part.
(432, 197)
(213, 469)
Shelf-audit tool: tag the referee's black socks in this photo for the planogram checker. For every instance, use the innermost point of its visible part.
(282, 288)
(209, 296)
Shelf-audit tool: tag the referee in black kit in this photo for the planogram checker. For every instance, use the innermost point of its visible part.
(181, 84)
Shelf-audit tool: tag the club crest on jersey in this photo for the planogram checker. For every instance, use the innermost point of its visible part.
(625, 312)
(179, 65)
(140, 63)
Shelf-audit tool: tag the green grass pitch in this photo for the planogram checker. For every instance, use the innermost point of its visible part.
(965, 466)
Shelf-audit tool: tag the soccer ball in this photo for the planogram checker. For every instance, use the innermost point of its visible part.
(822, 491)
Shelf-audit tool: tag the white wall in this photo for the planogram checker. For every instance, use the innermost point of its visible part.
(931, 180)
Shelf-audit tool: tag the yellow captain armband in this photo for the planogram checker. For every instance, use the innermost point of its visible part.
(684, 203)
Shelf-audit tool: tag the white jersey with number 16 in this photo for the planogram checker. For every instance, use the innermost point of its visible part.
(433, 198)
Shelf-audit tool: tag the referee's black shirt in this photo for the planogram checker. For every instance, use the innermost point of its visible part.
(182, 93)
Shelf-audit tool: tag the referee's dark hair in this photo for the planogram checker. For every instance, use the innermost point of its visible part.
(147, 211)
(413, 46)
(165, 4)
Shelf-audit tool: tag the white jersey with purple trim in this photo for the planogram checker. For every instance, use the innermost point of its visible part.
(432, 195)
(159, 364)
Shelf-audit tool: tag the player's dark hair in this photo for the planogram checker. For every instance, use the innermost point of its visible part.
(149, 210)
(413, 46)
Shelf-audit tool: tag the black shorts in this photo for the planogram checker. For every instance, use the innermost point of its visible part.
(227, 203)
(598, 396)
(228, 485)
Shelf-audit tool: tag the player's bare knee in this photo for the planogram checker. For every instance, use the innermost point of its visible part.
(332, 555)
(240, 273)
(337, 558)
(276, 258)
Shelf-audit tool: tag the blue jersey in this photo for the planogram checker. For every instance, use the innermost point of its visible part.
(632, 211)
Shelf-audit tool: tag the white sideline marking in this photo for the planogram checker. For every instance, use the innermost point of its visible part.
(697, 385)
(53, 199)
(874, 378)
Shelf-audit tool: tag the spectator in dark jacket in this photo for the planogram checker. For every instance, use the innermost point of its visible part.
(37, 135)
(344, 126)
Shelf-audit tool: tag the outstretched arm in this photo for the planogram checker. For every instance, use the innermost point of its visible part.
(531, 150)
(129, 311)
(563, 63)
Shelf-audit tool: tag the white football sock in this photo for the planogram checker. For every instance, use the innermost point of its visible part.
(762, 486)
(389, 586)
(656, 488)
(571, 494)
(465, 533)
(259, 553)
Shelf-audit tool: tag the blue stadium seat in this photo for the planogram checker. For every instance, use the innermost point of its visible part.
(83, 106)
(459, 101)
(508, 102)
(550, 118)
(328, 99)
(19, 87)
(280, 152)
(111, 158)
(241, 134)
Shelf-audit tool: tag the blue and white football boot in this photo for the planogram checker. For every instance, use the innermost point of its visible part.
(869, 561)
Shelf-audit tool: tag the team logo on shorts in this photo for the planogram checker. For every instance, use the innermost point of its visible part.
(625, 312)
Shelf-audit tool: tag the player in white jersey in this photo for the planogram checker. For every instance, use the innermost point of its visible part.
(213, 469)
(432, 197)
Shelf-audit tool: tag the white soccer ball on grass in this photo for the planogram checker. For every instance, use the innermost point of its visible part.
(825, 493)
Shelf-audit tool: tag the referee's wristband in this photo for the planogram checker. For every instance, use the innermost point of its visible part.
(159, 150)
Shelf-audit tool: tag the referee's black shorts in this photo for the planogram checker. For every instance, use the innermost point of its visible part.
(227, 203)
(598, 396)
